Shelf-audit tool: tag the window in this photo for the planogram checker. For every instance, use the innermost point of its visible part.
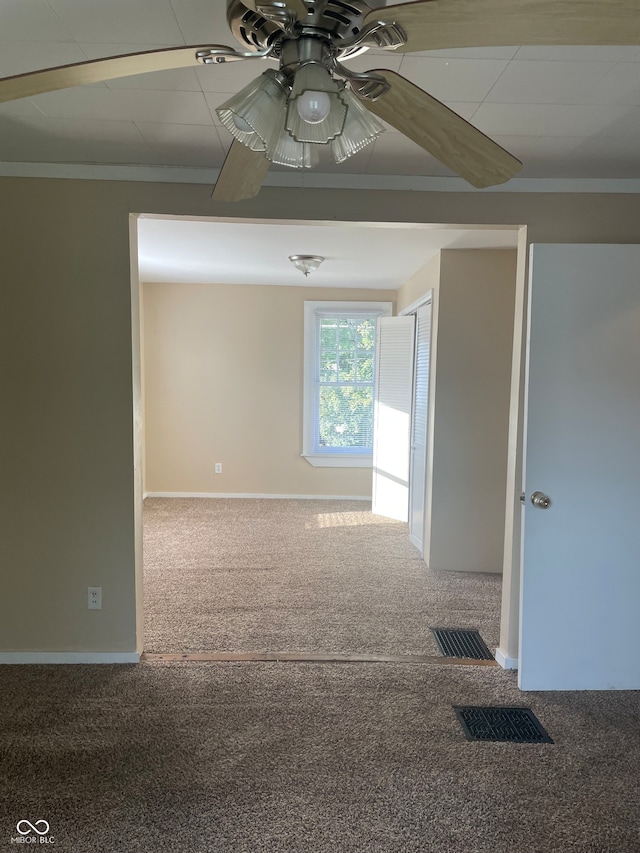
(340, 345)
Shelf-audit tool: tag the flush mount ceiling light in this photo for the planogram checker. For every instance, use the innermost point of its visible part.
(306, 263)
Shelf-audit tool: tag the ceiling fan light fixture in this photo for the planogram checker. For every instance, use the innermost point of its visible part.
(306, 263)
(316, 110)
(360, 128)
(313, 107)
(286, 151)
(254, 115)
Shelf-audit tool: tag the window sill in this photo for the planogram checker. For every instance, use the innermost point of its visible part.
(338, 460)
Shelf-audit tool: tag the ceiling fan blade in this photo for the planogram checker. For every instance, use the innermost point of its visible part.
(296, 6)
(444, 134)
(98, 70)
(242, 174)
(439, 24)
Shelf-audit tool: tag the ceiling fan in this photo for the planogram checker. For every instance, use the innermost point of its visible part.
(315, 100)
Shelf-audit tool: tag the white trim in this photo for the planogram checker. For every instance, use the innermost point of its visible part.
(425, 299)
(504, 661)
(313, 180)
(336, 460)
(68, 657)
(253, 495)
(416, 543)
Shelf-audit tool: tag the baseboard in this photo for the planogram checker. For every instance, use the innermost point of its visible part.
(416, 544)
(69, 657)
(504, 661)
(251, 495)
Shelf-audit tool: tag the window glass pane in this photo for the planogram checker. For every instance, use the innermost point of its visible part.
(346, 335)
(346, 416)
(328, 334)
(328, 366)
(346, 370)
(366, 334)
(365, 366)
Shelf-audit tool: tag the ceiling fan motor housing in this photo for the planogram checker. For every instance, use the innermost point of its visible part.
(330, 19)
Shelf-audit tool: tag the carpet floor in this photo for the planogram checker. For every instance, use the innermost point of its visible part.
(305, 757)
(309, 758)
(298, 576)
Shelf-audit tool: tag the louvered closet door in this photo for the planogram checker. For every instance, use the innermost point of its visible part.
(392, 416)
(418, 465)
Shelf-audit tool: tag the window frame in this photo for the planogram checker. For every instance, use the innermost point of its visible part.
(313, 310)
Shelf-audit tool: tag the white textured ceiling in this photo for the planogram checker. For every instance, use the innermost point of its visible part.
(210, 251)
(564, 111)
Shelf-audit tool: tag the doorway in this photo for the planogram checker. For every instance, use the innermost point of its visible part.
(268, 469)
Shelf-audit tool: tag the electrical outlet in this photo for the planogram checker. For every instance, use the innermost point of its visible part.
(218, 467)
(94, 597)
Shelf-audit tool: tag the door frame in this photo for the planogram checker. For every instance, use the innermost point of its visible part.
(507, 652)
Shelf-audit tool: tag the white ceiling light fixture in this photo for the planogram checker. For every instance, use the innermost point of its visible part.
(306, 263)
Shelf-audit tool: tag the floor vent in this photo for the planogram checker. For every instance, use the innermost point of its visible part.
(461, 644)
(515, 725)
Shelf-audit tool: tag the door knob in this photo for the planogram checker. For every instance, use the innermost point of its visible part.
(540, 500)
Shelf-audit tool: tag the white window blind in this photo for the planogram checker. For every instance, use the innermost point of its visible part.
(344, 383)
(340, 345)
(421, 389)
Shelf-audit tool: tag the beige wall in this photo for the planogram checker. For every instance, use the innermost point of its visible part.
(470, 414)
(223, 383)
(421, 282)
(473, 294)
(66, 421)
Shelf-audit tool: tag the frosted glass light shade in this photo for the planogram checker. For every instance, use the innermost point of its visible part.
(310, 80)
(306, 263)
(258, 107)
(288, 152)
(360, 128)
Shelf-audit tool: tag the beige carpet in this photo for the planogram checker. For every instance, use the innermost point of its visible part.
(298, 576)
(300, 757)
(309, 758)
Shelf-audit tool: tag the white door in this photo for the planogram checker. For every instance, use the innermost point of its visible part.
(580, 596)
(418, 463)
(392, 416)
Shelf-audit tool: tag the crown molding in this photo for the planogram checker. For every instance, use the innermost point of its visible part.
(314, 180)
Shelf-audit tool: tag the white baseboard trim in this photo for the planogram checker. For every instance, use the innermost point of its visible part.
(69, 657)
(504, 661)
(416, 544)
(251, 495)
